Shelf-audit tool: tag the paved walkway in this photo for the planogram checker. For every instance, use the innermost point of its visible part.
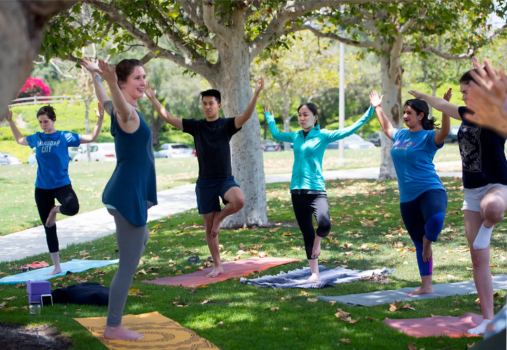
(98, 223)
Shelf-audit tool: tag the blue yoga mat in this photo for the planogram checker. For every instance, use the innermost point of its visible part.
(73, 266)
(328, 278)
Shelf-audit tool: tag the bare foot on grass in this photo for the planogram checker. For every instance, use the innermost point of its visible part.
(121, 333)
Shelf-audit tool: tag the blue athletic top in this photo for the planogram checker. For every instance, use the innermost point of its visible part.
(309, 151)
(412, 155)
(132, 189)
(52, 154)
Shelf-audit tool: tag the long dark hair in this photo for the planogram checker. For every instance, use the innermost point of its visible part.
(420, 106)
(312, 108)
(48, 111)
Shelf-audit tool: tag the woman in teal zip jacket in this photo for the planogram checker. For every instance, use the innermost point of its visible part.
(307, 187)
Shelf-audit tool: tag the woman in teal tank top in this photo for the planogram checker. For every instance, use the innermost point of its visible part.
(307, 186)
(132, 188)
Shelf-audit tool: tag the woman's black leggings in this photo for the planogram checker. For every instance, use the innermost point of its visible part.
(306, 205)
(45, 200)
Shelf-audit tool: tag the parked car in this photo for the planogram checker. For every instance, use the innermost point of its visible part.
(270, 146)
(11, 160)
(174, 150)
(104, 152)
(375, 139)
(453, 135)
(352, 142)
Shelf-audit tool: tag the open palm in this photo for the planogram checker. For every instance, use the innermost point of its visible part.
(375, 100)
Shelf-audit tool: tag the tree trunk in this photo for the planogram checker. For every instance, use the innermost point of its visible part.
(21, 27)
(265, 128)
(233, 80)
(87, 125)
(391, 104)
(286, 128)
(155, 125)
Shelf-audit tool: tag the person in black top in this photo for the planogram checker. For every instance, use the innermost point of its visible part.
(211, 139)
(485, 185)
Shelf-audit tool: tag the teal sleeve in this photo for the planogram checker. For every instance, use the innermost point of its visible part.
(277, 135)
(341, 134)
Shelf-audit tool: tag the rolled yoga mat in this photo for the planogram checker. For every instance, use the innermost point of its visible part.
(159, 333)
(73, 266)
(389, 296)
(231, 269)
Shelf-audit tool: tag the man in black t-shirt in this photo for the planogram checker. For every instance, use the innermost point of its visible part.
(211, 139)
(485, 186)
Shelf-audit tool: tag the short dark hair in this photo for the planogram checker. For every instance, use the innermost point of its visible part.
(213, 93)
(47, 111)
(420, 106)
(467, 77)
(125, 67)
(312, 108)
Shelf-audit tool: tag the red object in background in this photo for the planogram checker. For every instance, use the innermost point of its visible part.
(194, 153)
(34, 87)
(109, 155)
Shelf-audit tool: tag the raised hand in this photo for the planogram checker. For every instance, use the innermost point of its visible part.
(107, 72)
(90, 65)
(266, 110)
(8, 117)
(151, 94)
(448, 95)
(100, 112)
(416, 94)
(260, 86)
(375, 100)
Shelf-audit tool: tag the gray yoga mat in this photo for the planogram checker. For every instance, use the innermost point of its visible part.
(389, 296)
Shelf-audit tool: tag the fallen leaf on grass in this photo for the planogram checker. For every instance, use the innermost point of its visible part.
(332, 302)
(395, 306)
(469, 346)
(312, 300)
(346, 341)
(434, 315)
(2, 305)
(342, 314)
(142, 272)
(304, 293)
(221, 323)
(275, 309)
(10, 308)
(207, 301)
(370, 318)
(411, 346)
(11, 298)
(287, 234)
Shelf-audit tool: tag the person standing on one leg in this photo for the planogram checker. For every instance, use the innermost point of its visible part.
(423, 199)
(485, 183)
(307, 186)
(53, 182)
(211, 139)
(132, 188)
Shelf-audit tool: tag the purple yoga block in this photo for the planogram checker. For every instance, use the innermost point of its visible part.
(38, 287)
(34, 297)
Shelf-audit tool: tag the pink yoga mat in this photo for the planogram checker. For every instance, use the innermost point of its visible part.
(454, 327)
(231, 269)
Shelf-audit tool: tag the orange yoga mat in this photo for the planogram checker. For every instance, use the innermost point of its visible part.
(159, 332)
(231, 269)
(454, 327)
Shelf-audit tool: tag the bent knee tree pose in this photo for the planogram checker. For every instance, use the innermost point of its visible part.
(485, 184)
(423, 199)
(53, 182)
(132, 189)
(307, 186)
(215, 181)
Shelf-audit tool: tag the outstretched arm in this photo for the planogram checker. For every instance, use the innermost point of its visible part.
(442, 133)
(15, 131)
(242, 118)
(277, 135)
(385, 124)
(438, 103)
(100, 90)
(341, 134)
(96, 130)
(162, 112)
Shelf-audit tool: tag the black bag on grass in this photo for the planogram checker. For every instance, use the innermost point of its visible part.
(83, 294)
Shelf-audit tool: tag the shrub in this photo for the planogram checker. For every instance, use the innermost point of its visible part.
(34, 87)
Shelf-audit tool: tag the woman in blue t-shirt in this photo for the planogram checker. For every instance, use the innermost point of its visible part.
(423, 199)
(485, 185)
(53, 182)
(132, 188)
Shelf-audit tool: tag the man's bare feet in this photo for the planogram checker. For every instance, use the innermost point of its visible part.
(121, 333)
(422, 290)
(215, 229)
(55, 271)
(52, 216)
(216, 271)
(315, 277)
(316, 247)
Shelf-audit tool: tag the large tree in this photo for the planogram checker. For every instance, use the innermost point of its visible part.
(391, 29)
(215, 39)
(22, 25)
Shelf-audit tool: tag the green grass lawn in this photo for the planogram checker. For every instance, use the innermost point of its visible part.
(17, 206)
(365, 214)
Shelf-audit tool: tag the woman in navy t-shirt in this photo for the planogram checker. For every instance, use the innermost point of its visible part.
(485, 185)
(53, 182)
(423, 199)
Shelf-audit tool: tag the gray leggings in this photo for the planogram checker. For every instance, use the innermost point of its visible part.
(131, 242)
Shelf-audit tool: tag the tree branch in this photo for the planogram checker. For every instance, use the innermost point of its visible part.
(109, 25)
(334, 37)
(210, 21)
(193, 8)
